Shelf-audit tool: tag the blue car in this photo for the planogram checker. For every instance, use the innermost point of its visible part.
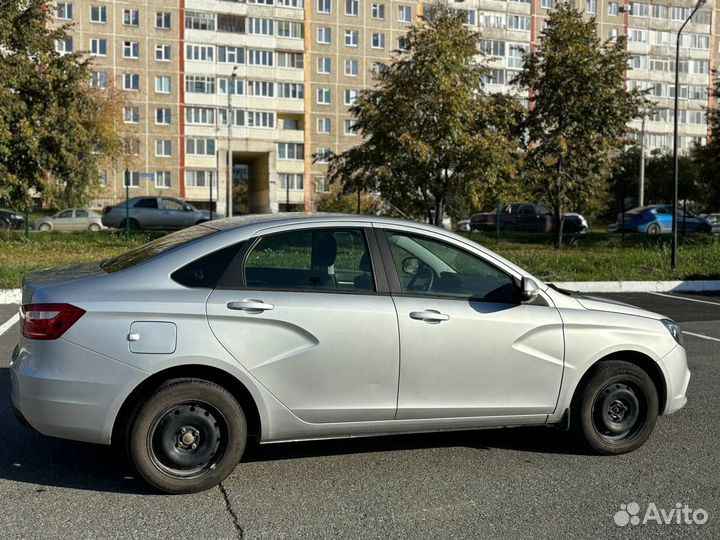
(657, 219)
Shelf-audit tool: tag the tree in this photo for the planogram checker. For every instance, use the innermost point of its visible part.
(55, 129)
(430, 131)
(579, 109)
(335, 200)
(707, 157)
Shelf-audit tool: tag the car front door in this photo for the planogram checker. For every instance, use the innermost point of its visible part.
(80, 220)
(308, 314)
(63, 221)
(174, 215)
(146, 213)
(469, 347)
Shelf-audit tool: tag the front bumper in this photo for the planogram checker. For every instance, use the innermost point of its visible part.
(677, 377)
(63, 390)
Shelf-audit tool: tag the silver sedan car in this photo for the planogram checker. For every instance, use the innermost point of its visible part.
(72, 219)
(289, 327)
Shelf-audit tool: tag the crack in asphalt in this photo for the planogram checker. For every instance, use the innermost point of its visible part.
(239, 532)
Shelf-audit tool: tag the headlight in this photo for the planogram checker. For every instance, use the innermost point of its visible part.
(674, 330)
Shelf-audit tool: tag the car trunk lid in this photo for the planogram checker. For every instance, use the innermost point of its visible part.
(41, 279)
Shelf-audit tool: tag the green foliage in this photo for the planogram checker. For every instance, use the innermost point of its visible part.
(707, 158)
(337, 201)
(54, 127)
(579, 110)
(432, 134)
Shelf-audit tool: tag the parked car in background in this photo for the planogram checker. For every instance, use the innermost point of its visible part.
(282, 328)
(72, 219)
(10, 219)
(163, 213)
(463, 225)
(527, 217)
(714, 220)
(657, 219)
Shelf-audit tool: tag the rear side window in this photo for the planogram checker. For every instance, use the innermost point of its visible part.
(146, 203)
(206, 271)
(156, 247)
(328, 259)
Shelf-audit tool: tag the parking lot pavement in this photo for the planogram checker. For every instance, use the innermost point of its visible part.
(530, 483)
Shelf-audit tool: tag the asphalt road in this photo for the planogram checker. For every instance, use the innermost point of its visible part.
(516, 483)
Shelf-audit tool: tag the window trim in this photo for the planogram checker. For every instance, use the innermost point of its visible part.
(230, 281)
(394, 278)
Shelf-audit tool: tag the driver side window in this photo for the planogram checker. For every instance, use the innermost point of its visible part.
(433, 268)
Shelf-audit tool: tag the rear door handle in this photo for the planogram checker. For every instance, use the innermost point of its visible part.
(429, 315)
(250, 305)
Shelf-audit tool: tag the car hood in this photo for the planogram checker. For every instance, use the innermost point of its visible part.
(594, 303)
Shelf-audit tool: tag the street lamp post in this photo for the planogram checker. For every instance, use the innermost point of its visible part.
(231, 85)
(673, 260)
(641, 194)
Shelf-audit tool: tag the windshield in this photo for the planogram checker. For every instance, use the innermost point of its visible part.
(156, 247)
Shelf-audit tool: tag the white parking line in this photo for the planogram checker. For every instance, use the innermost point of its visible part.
(684, 298)
(7, 325)
(701, 336)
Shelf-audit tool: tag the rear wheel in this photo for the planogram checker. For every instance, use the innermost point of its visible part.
(45, 227)
(134, 224)
(187, 436)
(94, 227)
(616, 410)
(653, 229)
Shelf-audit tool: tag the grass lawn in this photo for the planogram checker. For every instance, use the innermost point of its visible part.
(594, 256)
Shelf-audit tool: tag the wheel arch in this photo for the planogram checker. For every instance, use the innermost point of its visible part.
(213, 374)
(641, 360)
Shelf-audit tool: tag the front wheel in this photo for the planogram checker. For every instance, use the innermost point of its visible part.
(616, 410)
(654, 229)
(187, 436)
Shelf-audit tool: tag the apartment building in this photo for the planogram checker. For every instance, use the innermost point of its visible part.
(272, 80)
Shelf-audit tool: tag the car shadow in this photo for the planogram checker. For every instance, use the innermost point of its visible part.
(28, 457)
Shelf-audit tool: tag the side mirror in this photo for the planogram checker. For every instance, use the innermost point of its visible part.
(530, 289)
(411, 265)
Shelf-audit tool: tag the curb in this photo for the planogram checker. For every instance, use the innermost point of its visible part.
(639, 286)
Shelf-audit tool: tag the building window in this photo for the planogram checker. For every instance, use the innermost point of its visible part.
(261, 88)
(591, 6)
(237, 87)
(162, 53)
(516, 55)
(102, 178)
(290, 60)
(291, 181)
(200, 178)
(98, 14)
(350, 126)
(324, 65)
(291, 151)
(131, 81)
(259, 119)
(132, 179)
(231, 55)
(200, 84)
(378, 40)
(163, 84)
(64, 11)
(64, 46)
(163, 148)
(98, 47)
(131, 49)
(324, 125)
(323, 155)
(200, 147)
(613, 34)
(290, 29)
(352, 67)
(99, 79)
(195, 20)
(162, 179)
(352, 38)
(323, 96)
(547, 4)
(377, 11)
(163, 116)
(291, 90)
(200, 53)
(298, 4)
(163, 20)
(257, 57)
(350, 97)
(613, 8)
(352, 7)
(521, 22)
(200, 116)
(323, 35)
(131, 114)
(260, 27)
(405, 14)
(321, 184)
(131, 17)
(324, 6)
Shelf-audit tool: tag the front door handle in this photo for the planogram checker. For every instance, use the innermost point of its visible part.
(429, 315)
(250, 305)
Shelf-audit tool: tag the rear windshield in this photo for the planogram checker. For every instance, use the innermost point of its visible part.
(156, 247)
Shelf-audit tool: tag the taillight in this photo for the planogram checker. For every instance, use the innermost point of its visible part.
(48, 321)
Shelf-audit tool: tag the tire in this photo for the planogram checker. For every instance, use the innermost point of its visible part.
(94, 227)
(616, 409)
(45, 227)
(705, 229)
(654, 229)
(165, 456)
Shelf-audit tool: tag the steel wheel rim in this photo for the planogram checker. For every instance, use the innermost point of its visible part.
(619, 411)
(187, 439)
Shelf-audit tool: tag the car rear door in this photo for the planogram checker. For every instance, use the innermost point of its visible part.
(147, 213)
(80, 220)
(306, 311)
(469, 347)
(63, 221)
